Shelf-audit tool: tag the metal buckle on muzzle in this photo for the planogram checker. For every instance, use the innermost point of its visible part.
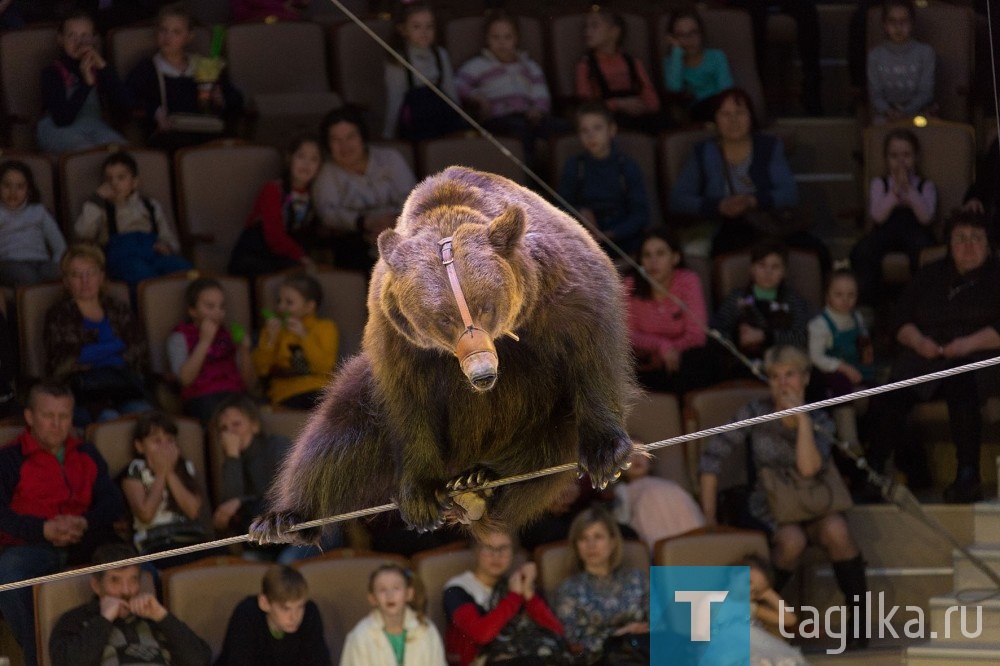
(474, 348)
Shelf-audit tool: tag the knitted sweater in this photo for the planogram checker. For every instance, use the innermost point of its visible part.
(505, 87)
(901, 77)
(341, 197)
(29, 233)
(659, 325)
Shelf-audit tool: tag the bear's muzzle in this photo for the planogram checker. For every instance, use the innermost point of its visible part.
(478, 357)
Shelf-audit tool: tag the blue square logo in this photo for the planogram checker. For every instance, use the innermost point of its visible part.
(699, 615)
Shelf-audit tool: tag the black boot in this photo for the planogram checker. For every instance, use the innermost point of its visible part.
(850, 576)
(781, 577)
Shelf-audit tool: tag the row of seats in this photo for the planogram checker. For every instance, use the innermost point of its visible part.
(211, 210)
(300, 69)
(203, 594)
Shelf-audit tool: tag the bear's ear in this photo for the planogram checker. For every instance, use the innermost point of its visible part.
(388, 241)
(506, 230)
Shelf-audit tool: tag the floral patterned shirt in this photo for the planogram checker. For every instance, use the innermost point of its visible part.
(591, 608)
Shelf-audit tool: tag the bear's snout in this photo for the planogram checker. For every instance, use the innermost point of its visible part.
(478, 356)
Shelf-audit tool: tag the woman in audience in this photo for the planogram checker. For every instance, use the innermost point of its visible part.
(603, 598)
(948, 315)
(360, 191)
(741, 182)
(691, 69)
(508, 88)
(413, 111)
(607, 73)
(73, 88)
(764, 313)
(31, 244)
(667, 316)
(250, 460)
(176, 81)
(802, 443)
(93, 343)
(281, 229)
(494, 613)
(902, 207)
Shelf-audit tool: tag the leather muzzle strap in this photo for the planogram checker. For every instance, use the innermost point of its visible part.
(448, 259)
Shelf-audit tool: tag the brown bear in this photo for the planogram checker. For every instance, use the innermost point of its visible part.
(403, 418)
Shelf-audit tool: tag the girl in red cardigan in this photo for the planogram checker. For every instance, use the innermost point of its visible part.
(669, 341)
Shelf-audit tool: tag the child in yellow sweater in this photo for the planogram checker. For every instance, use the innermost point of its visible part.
(297, 350)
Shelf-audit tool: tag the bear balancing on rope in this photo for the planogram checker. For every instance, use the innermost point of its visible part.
(496, 344)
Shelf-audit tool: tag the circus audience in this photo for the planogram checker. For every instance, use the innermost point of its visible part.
(94, 343)
(690, 69)
(620, 210)
(282, 228)
(413, 111)
(603, 602)
(396, 631)
(31, 243)
(667, 316)
(766, 312)
(948, 315)
(122, 621)
(795, 445)
(57, 504)
(740, 183)
(174, 81)
(279, 626)
(607, 73)
(73, 90)
(901, 69)
(360, 191)
(495, 613)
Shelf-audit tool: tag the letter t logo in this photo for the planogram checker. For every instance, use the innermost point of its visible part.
(701, 610)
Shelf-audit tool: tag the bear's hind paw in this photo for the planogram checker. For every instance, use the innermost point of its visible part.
(274, 526)
(605, 465)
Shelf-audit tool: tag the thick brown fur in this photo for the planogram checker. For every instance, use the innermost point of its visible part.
(401, 419)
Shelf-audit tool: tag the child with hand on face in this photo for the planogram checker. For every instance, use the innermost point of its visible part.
(138, 239)
(31, 244)
(210, 358)
(690, 68)
(297, 350)
(279, 626)
(394, 633)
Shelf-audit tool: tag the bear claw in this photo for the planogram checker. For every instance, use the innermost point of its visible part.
(275, 526)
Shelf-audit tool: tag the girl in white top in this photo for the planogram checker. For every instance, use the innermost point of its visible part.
(394, 633)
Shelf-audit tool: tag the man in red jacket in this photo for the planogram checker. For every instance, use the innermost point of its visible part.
(57, 503)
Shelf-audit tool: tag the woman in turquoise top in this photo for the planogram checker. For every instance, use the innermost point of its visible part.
(690, 68)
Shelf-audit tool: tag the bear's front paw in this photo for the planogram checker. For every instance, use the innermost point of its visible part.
(605, 460)
(273, 526)
(421, 507)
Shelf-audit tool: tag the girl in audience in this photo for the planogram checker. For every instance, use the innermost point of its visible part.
(617, 78)
(840, 348)
(395, 632)
(901, 205)
(297, 350)
(507, 87)
(654, 507)
(769, 618)
(170, 82)
(766, 312)
(901, 69)
(162, 493)
(603, 598)
(691, 69)
(30, 241)
(413, 111)
(360, 191)
(210, 359)
(283, 222)
(73, 88)
(668, 339)
(250, 459)
(495, 614)
(93, 343)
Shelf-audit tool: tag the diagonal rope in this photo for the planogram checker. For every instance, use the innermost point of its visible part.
(519, 478)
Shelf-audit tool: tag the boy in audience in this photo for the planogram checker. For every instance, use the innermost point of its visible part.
(603, 183)
(900, 70)
(279, 626)
(122, 624)
(138, 239)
